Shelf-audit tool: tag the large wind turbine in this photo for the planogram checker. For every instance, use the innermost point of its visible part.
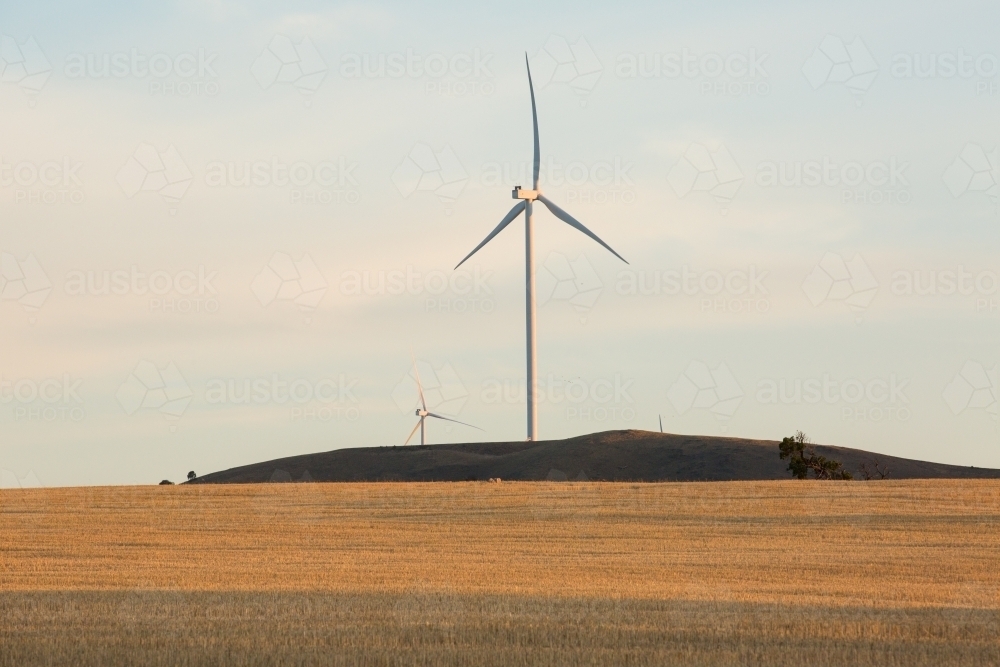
(423, 413)
(526, 198)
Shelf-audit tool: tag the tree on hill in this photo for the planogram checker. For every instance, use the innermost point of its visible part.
(876, 471)
(191, 475)
(802, 458)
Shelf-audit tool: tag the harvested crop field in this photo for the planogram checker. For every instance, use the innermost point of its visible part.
(776, 573)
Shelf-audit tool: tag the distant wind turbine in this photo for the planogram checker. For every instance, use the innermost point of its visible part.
(661, 422)
(423, 413)
(526, 198)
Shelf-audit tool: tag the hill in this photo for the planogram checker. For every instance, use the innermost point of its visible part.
(608, 456)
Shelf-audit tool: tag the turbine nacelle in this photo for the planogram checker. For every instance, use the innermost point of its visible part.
(527, 195)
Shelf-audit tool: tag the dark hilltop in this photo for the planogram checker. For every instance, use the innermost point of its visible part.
(608, 456)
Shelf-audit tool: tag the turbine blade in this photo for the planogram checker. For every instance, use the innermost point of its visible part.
(534, 123)
(410, 437)
(420, 387)
(573, 222)
(661, 423)
(448, 419)
(514, 212)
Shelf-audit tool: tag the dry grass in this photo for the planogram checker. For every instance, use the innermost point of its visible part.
(777, 573)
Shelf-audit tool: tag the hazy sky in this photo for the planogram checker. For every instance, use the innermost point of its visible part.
(226, 226)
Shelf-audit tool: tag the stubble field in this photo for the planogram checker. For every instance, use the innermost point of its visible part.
(776, 573)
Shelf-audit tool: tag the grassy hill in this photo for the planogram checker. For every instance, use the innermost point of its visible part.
(608, 456)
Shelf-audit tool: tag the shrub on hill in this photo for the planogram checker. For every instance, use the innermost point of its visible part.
(802, 458)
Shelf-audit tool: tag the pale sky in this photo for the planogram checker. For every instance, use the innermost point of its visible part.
(207, 205)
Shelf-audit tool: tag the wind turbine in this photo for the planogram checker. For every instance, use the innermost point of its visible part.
(423, 413)
(527, 197)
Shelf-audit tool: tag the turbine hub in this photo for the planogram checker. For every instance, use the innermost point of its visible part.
(421, 413)
(521, 193)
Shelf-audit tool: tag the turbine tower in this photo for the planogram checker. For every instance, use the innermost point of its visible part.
(423, 413)
(527, 197)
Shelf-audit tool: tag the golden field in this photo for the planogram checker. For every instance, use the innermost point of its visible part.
(769, 573)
